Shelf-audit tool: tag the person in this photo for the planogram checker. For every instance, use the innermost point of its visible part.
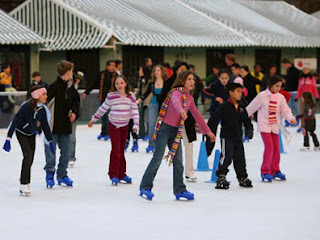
(168, 130)
(159, 76)
(64, 103)
(229, 59)
(292, 82)
(198, 84)
(219, 93)
(235, 69)
(271, 72)
(122, 104)
(135, 145)
(213, 77)
(307, 83)
(36, 80)
(232, 115)
(25, 126)
(119, 66)
(270, 104)
(256, 73)
(309, 122)
(7, 84)
(105, 81)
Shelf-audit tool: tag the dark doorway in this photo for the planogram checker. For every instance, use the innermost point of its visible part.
(215, 57)
(133, 57)
(266, 57)
(86, 61)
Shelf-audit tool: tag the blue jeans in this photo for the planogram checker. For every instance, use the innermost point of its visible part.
(63, 141)
(165, 137)
(294, 105)
(153, 115)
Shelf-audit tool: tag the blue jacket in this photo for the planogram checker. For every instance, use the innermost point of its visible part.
(26, 120)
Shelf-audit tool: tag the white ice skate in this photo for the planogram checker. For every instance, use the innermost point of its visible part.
(191, 178)
(316, 148)
(304, 149)
(71, 163)
(25, 190)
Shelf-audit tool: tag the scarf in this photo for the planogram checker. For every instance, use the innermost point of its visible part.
(162, 113)
(273, 109)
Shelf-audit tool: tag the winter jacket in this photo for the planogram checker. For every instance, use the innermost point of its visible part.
(307, 83)
(292, 79)
(250, 83)
(216, 90)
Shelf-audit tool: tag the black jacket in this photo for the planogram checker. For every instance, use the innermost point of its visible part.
(250, 83)
(66, 100)
(26, 120)
(218, 90)
(292, 79)
(231, 121)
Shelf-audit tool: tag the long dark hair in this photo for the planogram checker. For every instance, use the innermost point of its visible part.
(31, 101)
(274, 80)
(128, 88)
(308, 99)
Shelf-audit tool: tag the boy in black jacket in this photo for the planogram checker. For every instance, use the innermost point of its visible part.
(232, 115)
(66, 111)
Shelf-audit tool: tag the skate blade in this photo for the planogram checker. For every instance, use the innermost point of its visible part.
(24, 194)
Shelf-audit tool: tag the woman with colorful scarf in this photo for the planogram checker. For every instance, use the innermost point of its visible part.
(270, 104)
(168, 131)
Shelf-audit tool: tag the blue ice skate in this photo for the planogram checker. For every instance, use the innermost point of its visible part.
(150, 149)
(49, 179)
(127, 179)
(280, 175)
(65, 180)
(245, 139)
(147, 193)
(186, 194)
(106, 138)
(127, 144)
(267, 177)
(146, 138)
(135, 146)
(115, 181)
(100, 137)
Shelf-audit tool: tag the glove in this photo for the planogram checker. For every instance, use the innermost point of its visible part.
(52, 147)
(7, 146)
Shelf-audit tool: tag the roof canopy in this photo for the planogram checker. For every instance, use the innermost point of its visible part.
(81, 24)
(13, 32)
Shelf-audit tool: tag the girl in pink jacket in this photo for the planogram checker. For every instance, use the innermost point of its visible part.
(270, 104)
(307, 83)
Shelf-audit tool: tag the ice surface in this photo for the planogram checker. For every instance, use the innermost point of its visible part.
(94, 209)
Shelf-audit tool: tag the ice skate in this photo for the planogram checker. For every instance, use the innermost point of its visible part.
(65, 180)
(135, 146)
(100, 137)
(49, 179)
(305, 149)
(316, 148)
(106, 138)
(25, 190)
(267, 177)
(186, 194)
(245, 139)
(146, 193)
(279, 175)
(191, 178)
(245, 182)
(222, 182)
(150, 149)
(115, 181)
(127, 145)
(127, 179)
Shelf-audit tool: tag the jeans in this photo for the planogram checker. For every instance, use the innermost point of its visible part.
(295, 106)
(63, 141)
(73, 142)
(165, 137)
(153, 115)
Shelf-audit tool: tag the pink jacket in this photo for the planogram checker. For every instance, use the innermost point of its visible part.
(261, 104)
(308, 84)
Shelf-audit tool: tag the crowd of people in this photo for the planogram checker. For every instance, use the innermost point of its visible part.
(163, 110)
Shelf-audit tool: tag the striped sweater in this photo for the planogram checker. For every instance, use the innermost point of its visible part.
(122, 109)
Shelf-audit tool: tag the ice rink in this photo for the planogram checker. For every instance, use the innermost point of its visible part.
(94, 209)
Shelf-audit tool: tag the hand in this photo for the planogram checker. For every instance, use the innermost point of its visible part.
(52, 147)
(252, 116)
(7, 146)
(90, 124)
(38, 124)
(211, 136)
(139, 100)
(219, 99)
(293, 121)
(83, 96)
(184, 115)
(72, 117)
(134, 130)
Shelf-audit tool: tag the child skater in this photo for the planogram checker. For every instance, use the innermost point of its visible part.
(25, 125)
(309, 122)
(135, 146)
(168, 131)
(122, 105)
(232, 115)
(270, 104)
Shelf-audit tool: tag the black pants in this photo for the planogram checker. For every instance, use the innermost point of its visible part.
(310, 126)
(28, 144)
(210, 145)
(232, 150)
(134, 135)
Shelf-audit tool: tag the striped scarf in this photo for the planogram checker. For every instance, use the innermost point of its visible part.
(273, 109)
(162, 113)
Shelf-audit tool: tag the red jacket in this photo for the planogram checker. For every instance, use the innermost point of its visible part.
(308, 84)
(286, 94)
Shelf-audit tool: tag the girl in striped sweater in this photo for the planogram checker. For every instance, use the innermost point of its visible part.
(122, 104)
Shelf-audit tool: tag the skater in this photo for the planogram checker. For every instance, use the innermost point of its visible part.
(168, 132)
(122, 104)
(309, 122)
(25, 125)
(135, 146)
(64, 103)
(232, 115)
(270, 104)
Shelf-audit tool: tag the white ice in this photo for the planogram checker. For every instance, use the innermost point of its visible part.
(93, 209)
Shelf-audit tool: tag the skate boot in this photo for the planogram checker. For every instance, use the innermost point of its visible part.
(279, 175)
(127, 179)
(135, 146)
(115, 181)
(245, 139)
(191, 178)
(245, 182)
(305, 148)
(106, 138)
(49, 179)
(222, 182)
(299, 130)
(146, 193)
(65, 180)
(267, 177)
(100, 137)
(316, 148)
(150, 149)
(146, 138)
(25, 190)
(127, 144)
(186, 194)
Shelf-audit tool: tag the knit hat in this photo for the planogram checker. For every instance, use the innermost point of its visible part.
(239, 80)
